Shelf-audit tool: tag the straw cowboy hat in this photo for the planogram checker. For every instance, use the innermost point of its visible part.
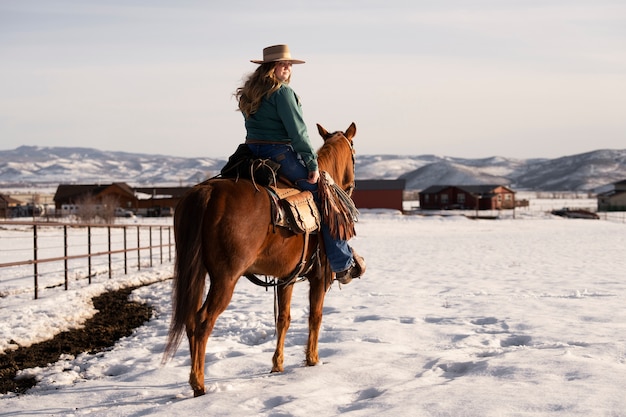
(277, 53)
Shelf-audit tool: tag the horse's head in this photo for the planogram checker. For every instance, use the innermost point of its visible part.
(336, 156)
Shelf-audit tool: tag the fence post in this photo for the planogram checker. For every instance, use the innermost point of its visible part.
(161, 243)
(36, 275)
(150, 245)
(138, 250)
(125, 252)
(110, 263)
(65, 255)
(89, 251)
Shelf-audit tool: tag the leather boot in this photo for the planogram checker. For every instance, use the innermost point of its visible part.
(354, 271)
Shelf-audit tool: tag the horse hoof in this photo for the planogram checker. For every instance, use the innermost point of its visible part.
(198, 392)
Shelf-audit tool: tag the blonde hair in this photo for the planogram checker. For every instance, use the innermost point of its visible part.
(261, 83)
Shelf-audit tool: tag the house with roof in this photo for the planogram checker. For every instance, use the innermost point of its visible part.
(614, 199)
(8, 206)
(467, 197)
(158, 201)
(69, 196)
(146, 201)
(379, 194)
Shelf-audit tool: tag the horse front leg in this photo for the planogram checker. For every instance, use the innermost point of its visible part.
(282, 325)
(200, 328)
(316, 306)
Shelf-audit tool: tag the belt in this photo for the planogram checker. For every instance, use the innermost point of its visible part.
(267, 142)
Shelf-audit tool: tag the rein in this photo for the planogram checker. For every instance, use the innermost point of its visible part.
(298, 274)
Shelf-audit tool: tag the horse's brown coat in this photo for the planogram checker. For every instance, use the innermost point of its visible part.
(223, 227)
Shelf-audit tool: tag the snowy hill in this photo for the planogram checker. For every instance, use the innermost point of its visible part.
(43, 166)
(48, 166)
(583, 172)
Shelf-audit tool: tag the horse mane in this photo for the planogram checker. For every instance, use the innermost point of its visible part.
(331, 157)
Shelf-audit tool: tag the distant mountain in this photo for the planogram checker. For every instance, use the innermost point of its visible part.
(29, 165)
(591, 171)
(49, 166)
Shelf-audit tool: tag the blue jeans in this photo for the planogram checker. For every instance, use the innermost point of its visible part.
(292, 167)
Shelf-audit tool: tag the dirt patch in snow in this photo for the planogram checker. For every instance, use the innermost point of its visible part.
(117, 317)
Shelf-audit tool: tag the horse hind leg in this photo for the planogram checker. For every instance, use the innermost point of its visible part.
(282, 325)
(201, 325)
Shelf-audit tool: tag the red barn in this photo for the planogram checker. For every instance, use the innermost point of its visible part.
(378, 194)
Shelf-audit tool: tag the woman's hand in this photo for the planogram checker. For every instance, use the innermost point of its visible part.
(314, 176)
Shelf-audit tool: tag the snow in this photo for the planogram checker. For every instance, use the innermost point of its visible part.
(454, 317)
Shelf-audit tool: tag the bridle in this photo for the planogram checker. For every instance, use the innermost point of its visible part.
(351, 186)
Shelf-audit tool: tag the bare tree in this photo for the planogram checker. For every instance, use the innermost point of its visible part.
(86, 210)
(108, 204)
(93, 210)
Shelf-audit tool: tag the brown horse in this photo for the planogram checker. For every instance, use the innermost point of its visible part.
(222, 227)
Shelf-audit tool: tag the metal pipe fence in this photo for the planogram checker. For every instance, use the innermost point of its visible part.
(57, 252)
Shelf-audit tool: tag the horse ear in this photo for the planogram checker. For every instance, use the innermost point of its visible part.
(323, 132)
(351, 131)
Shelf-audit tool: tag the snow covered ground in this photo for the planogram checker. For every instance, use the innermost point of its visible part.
(455, 317)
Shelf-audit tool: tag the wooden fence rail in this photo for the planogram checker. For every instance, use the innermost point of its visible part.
(150, 243)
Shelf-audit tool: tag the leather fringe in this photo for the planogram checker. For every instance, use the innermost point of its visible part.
(338, 209)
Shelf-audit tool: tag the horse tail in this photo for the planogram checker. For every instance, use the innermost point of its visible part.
(189, 269)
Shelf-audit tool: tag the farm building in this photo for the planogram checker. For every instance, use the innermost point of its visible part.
(467, 197)
(24, 204)
(8, 206)
(69, 196)
(615, 199)
(159, 201)
(147, 201)
(378, 194)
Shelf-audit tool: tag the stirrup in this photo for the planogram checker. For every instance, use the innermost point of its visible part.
(354, 271)
(344, 277)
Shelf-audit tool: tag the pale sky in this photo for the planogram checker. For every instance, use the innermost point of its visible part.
(474, 79)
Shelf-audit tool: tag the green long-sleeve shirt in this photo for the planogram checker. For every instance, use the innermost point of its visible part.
(279, 119)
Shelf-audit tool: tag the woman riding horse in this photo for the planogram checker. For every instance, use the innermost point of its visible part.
(223, 228)
(275, 129)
